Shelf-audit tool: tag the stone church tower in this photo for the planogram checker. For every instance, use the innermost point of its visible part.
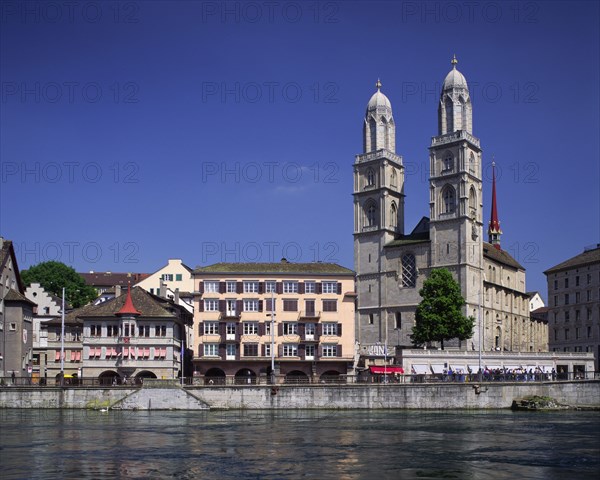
(392, 264)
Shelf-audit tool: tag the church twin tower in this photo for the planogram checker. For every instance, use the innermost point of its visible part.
(392, 264)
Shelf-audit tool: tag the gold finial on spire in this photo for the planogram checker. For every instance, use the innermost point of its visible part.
(454, 61)
(378, 84)
(493, 160)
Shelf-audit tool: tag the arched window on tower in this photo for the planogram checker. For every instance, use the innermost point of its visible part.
(373, 134)
(472, 163)
(393, 216)
(409, 270)
(371, 214)
(393, 178)
(463, 114)
(370, 177)
(384, 133)
(448, 162)
(449, 115)
(472, 202)
(448, 199)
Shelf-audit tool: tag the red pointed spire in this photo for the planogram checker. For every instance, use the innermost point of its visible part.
(494, 231)
(128, 308)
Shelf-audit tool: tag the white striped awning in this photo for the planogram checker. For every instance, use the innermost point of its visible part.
(438, 368)
(420, 369)
(458, 368)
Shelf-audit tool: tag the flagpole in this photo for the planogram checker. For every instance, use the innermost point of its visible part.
(62, 340)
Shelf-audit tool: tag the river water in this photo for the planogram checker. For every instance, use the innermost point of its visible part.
(359, 444)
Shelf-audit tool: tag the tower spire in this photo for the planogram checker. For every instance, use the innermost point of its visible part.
(494, 231)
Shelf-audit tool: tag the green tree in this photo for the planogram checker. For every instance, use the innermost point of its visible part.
(53, 276)
(439, 316)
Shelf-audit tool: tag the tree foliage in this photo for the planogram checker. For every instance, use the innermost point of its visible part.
(439, 316)
(53, 276)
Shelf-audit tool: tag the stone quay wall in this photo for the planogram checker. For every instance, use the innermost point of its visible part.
(492, 395)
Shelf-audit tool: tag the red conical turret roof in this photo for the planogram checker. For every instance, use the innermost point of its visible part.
(128, 309)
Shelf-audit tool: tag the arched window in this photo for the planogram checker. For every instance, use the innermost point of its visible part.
(449, 200)
(371, 214)
(393, 178)
(370, 177)
(472, 163)
(393, 215)
(409, 270)
(463, 114)
(448, 162)
(472, 201)
(373, 134)
(449, 114)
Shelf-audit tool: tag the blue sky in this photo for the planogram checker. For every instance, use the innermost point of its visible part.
(226, 131)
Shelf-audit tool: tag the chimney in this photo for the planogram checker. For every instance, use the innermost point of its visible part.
(176, 297)
(117, 291)
(163, 290)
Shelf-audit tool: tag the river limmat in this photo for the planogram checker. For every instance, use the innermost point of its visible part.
(319, 444)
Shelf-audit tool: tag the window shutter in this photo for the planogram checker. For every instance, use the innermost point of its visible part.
(339, 288)
(239, 305)
(261, 287)
(201, 305)
(319, 287)
(339, 351)
(201, 287)
(261, 329)
(302, 351)
(260, 305)
(222, 328)
(222, 306)
(222, 287)
(280, 329)
(339, 329)
(320, 351)
(263, 350)
(301, 330)
(200, 328)
(319, 331)
(280, 350)
(301, 287)
(237, 351)
(222, 350)
(239, 287)
(279, 287)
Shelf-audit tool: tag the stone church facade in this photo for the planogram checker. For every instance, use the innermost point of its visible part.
(391, 264)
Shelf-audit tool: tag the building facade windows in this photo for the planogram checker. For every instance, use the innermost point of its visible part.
(330, 305)
(290, 328)
(290, 287)
(290, 350)
(211, 305)
(290, 305)
(211, 350)
(250, 328)
(211, 287)
(211, 328)
(330, 329)
(310, 287)
(251, 287)
(330, 350)
(250, 349)
(250, 305)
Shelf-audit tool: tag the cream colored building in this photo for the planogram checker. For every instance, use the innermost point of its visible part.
(311, 338)
(175, 275)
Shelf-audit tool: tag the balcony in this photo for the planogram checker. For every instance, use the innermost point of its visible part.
(309, 314)
(231, 315)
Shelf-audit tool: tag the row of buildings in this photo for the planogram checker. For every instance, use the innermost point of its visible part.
(312, 321)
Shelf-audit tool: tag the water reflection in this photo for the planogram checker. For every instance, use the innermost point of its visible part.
(293, 444)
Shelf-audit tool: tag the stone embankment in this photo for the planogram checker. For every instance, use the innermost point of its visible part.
(494, 395)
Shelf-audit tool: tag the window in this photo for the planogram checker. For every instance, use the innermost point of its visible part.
(309, 331)
(211, 350)
(449, 200)
(310, 352)
(250, 305)
(398, 320)
(251, 287)
(330, 305)
(371, 319)
(167, 277)
(290, 328)
(211, 287)
(393, 178)
(143, 330)
(211, 305)
(555, 334)
(230, 351)
(589, 295)
(589, 332)
(330, 329)
(577, 315)
(230, 329)
(589, 314)
(566, 283)
(178, 277)
(448, 162)
(290, 350)
(566, 333)
(566, 298)
(211, 328)
(231, 286)
(160, 331)
(271, 286)
(329, 350)
(567, 316)
(577, 332)
(556, 300)
(290, 287)
(268, 327)
(267, 349)
(329, 287)
(577, 297)
(310, 287)
(409, 270)
(309, 307)
(250, 328)
(555, 284)
(290, 305)
(271, 305)
(370, 177)
(251, 350)
(589, 278)
(95, 330)
(577, 281)
(371, 215)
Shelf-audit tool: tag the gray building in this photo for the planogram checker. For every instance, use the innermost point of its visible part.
(16, 317)
(574, 304)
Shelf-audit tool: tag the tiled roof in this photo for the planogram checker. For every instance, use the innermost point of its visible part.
(500, 256)
(110, 279)
(147, 304)
(14, 296)
(313, 268)
(586, 258)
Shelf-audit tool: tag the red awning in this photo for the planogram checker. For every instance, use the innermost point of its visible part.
(387, 370)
